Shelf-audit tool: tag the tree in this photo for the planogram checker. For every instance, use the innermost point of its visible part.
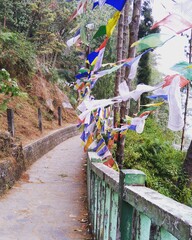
(187, 166)
(133, 36)
(119, 58)
(14, 15)
(144, 74)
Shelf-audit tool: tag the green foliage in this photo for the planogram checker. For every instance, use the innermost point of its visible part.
(14, 15)
(52, 75)
(104, 87)
(17, 54)
(153, 153)
(8, 87)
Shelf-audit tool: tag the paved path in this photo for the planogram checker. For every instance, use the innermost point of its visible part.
(49, 202)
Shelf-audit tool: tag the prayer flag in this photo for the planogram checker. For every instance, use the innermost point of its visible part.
(98, 64)
(112, 23)
(109, 162)
(153, 104)
(81, 8)
(118, 4)
(175, 122)
(103, 44)
(174, 22)
(82, 75)
(182, 81)
(92, 56)
(74, 39)
(158, 96)
(151, 41)
(88, 143)
(102, 151)
(184, 69)
(100, 32)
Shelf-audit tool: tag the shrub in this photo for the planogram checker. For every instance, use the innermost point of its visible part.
(17, 54)
(153, 153)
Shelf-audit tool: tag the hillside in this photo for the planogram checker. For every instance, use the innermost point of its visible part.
(40, 94)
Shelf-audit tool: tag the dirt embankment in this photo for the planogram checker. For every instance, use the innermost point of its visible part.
(40, 94)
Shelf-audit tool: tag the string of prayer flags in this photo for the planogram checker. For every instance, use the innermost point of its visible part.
(81, 8)
(151, 41)
(174, 22)
(184, 69)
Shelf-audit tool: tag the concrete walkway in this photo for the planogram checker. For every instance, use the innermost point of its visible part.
(49, 202)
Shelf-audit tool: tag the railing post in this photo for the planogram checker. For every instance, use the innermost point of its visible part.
(126, 211)
(59, 116)
(40, 125)
(10, 121)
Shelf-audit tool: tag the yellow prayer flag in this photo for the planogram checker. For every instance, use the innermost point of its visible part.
(112, 23)
(98, 124)
(88, 143)
(153, 104)
(135, 44)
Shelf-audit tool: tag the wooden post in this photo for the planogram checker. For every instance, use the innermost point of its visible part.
(126, 211)
(10, 121)
(59, 116)
(40, 125)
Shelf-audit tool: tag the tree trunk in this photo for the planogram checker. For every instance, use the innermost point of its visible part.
(187, 166)
(134, 29)
(54, 60)
(118, 74)
(133, 34)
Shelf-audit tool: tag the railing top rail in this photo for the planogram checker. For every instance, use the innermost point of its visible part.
(175, 217)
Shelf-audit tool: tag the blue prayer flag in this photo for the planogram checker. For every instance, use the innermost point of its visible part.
(117, 4)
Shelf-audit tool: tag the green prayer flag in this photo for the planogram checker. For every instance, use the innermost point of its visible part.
(151, 41)
(184, 69)
(101, 32)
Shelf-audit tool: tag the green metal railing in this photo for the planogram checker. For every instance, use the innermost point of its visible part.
(121, 207)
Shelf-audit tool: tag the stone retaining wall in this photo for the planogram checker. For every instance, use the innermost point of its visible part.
(37, 149)
(12, 167)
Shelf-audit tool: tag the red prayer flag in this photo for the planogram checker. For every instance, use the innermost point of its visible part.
(168, 80)
(174, 22)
